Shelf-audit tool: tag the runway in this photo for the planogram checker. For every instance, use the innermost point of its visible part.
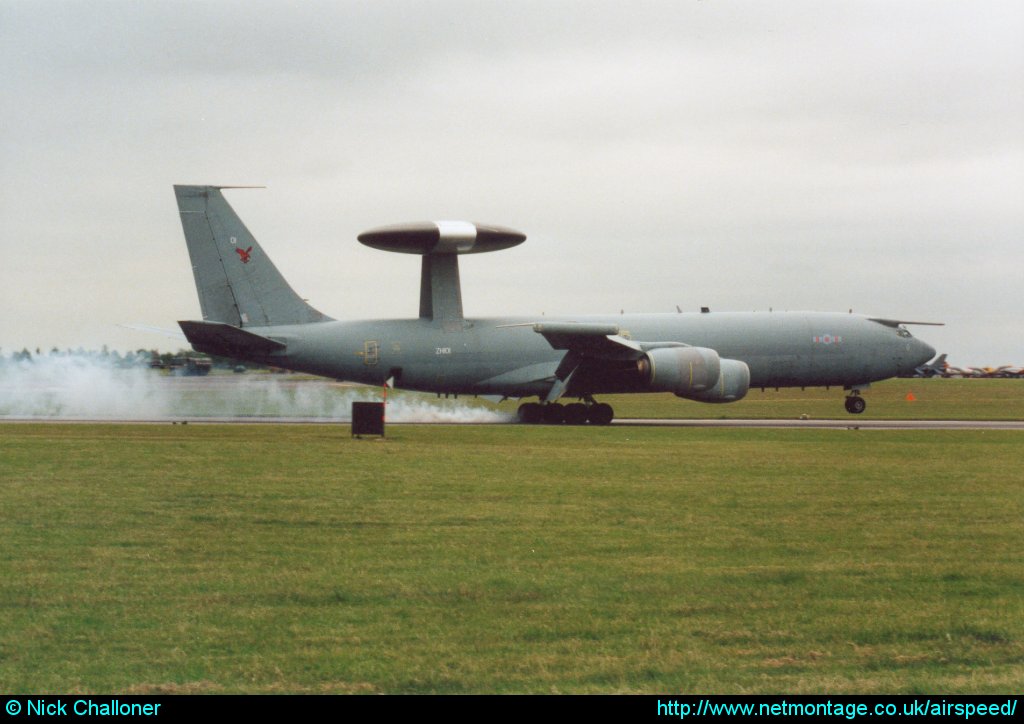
(832, 424)
(836, 424)
(80, 391)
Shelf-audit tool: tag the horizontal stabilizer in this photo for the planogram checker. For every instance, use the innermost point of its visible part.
(226, 340)
(169, 333)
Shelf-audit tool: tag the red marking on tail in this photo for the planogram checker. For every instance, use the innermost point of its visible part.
(244, 254)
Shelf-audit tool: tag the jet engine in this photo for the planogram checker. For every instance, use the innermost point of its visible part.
(682, 370)
(696, 373)
(733, 383)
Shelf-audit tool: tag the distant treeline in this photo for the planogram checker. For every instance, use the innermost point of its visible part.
(134, 358)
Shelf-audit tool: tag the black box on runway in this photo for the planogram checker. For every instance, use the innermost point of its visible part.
(367, 418)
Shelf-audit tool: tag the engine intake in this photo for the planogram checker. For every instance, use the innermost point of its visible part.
(696, 373)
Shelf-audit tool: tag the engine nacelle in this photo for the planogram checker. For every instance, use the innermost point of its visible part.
(732, 384)
(682, 370)
(695, 373)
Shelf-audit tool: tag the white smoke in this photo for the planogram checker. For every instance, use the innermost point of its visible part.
(79, 387)
(82, 387)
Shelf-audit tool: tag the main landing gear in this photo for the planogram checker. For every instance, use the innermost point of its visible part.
(576, 413)
(855, 404)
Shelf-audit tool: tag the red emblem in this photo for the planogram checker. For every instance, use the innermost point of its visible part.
(244, 254)
(828, 339)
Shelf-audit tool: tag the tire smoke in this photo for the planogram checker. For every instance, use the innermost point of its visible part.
(82, 387)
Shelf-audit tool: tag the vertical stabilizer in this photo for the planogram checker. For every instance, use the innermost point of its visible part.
(236, 281)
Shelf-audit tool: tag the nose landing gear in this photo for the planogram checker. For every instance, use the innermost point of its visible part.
(855, 404)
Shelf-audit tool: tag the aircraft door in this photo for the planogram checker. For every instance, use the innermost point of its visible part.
(371, 353)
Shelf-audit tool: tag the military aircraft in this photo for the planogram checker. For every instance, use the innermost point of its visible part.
(251, 313)
(936, 368)
(1001, 371)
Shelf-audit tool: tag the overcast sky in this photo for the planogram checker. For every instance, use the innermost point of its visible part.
(738, 155)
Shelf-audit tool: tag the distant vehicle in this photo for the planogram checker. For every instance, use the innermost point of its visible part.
(251, 313)
(191, 366)
(183, 366)
(935, 368)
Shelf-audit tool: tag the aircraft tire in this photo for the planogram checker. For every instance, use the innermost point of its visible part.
(554, 413)
(855, 405)
(600, 414)
(530, 413)
(576, 414)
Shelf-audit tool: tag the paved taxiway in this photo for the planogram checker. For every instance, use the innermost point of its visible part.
(625, 422)
(839, 424)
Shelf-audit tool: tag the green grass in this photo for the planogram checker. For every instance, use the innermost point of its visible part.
(509, 559)
(934, 399)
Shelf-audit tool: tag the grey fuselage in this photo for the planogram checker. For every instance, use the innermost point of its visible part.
(251, 312)
(505, 356)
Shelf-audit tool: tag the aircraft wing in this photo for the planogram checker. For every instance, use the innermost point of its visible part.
(600, 341)
(589, 341)
(897, 322)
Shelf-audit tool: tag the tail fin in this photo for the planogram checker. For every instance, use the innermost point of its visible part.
(237, 282)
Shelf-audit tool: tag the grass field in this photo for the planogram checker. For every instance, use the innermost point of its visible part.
(160, 558)
(933, 399)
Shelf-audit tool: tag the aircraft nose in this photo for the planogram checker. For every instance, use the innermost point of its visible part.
(914, 354)
(923, 351)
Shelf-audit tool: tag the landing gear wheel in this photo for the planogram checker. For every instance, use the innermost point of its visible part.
(600, 414)
(576, 414)
(530, 413)
(554, 413)
(855, 404)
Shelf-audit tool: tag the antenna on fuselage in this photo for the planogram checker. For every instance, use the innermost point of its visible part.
(440, 243)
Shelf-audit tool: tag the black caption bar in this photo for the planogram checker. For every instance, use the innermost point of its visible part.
(664, 707)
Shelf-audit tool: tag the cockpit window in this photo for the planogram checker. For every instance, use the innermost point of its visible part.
(902, 331)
